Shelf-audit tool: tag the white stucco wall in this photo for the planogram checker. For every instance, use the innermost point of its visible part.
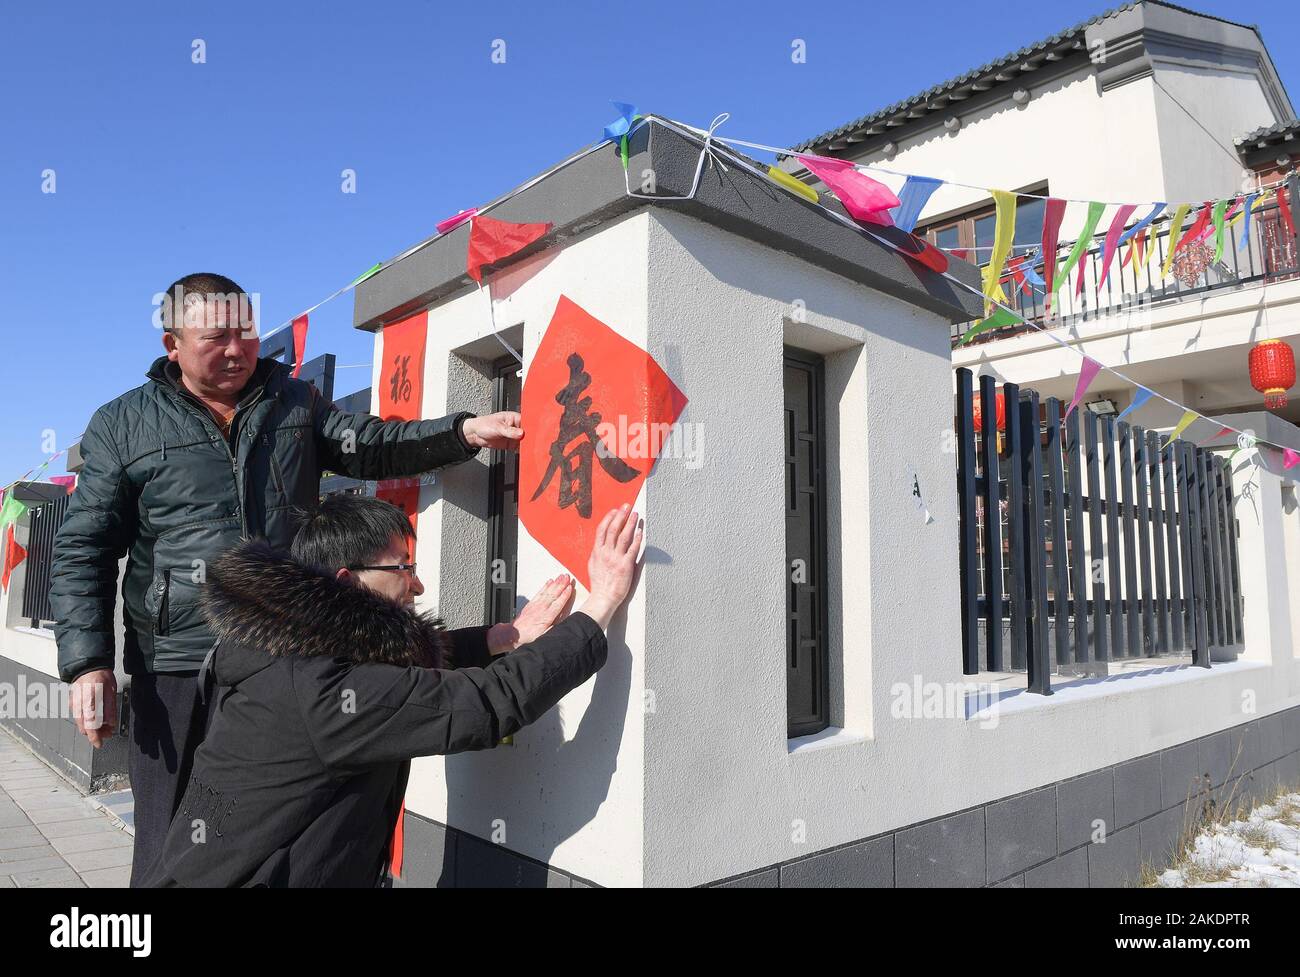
(1054, 138)
(724, 793)
(672, 766)
(569, 792)
(1131, 142)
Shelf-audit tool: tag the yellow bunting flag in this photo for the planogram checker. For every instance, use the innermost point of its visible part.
(791, 184)
(1006, 226)
(1175, 228)
(1180, 427)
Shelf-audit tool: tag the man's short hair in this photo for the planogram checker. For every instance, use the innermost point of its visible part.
(201, 286)
(348, 530)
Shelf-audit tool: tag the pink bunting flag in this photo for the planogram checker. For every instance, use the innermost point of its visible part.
(865, 199)
(1086, 375)
(445, 225)
(1290, 458)
(69, 482)
(1112, 239)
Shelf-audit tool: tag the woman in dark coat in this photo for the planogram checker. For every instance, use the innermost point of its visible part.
(328, 683)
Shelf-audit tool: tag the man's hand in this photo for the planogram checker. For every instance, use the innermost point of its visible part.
(499, 431)
(93, 699)
(538, 616)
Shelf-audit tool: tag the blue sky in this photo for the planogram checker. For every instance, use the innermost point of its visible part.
(164, 166)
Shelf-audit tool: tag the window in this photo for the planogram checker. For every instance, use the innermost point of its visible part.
(970, 236)
(503, 512)
(975, 229)
(44, 520)
(807, 658)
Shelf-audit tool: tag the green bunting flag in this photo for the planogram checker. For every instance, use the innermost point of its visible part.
(1000, 317)
(11, 510)
(1081, 245)
(367, 273)
(1220, 209)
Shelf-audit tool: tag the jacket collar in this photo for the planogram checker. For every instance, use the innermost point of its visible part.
(168, 374)
(262, 599)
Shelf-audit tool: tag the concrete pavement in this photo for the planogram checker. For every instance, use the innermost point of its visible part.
(50, 834)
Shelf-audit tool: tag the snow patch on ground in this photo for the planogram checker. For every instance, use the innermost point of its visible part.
(1262, 851)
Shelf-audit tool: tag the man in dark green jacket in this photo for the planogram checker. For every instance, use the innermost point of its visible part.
(216, 447)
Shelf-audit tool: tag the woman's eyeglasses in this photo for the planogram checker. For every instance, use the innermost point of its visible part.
(408, 567)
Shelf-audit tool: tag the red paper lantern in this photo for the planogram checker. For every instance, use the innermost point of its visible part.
(1272, 371)
(1000, 411)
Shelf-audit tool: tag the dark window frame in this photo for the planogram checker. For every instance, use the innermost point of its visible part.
(817, 718)
(503, 477)
(964, 221)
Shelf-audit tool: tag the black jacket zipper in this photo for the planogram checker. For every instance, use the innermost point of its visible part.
(206, 418)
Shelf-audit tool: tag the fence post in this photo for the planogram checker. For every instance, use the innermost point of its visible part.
(966, 539)
(1133, 647)
(1115, 590)
(1035, 554)
(1196, 544)
(1056, 509)
(1078, 580)
(1177, 610)
(992, 522)
(1144, 538)
(1016, 522)
(1096, 551)
(1158, 540)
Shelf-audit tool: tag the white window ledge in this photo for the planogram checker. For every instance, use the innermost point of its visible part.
(830, 736)
(1005, 702)
(39, 632)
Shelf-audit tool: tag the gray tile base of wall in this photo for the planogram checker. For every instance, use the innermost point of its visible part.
(55, 738)
(436, 856)
(1043, 838)
(1096, 830)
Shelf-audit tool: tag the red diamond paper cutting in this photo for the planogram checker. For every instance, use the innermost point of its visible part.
(596, 411)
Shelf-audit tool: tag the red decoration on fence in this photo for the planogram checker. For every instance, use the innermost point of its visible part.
(1272, 371)
(14, 555)
(1000, 410)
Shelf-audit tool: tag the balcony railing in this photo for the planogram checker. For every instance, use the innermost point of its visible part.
(1270, 254)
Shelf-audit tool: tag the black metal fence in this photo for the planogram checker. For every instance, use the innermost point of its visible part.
(43, 522)
(1104, 549)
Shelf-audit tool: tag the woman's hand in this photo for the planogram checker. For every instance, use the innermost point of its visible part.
(539, 615)
(613, 563)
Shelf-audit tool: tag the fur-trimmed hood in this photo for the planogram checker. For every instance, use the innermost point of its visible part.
(260, 598)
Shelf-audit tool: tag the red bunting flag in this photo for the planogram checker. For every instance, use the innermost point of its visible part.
(492, 240)
(1200, 224)
(1284, 205)
(1052, 215)
(299, 344)
(14, 555)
